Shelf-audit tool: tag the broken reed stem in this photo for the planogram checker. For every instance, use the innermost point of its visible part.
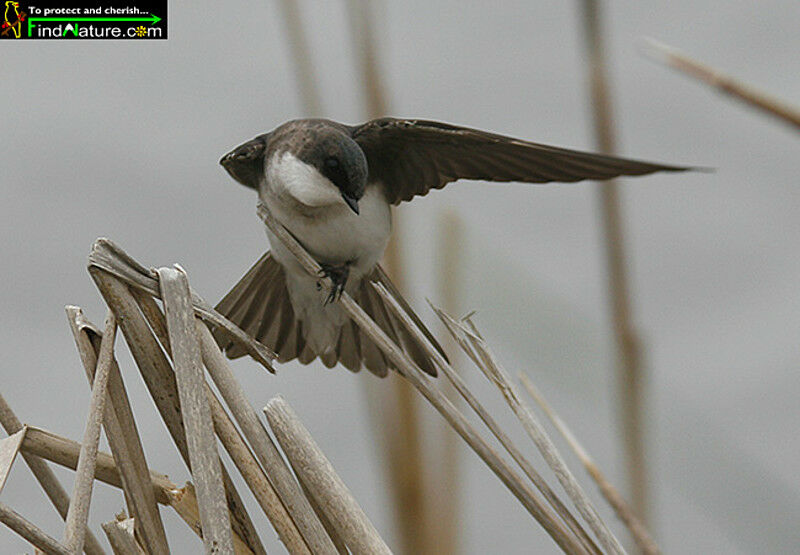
(625, 513)
(255, 478)
(630, 372)
(496, 374)
(726, 84)
(321, 480)
(278, 473)
(9, 449)
(31, 532)
(229, 435)
(45, 476)
(121, 537)
(196, 414)
(107, 257)
(78, 513)
(411, 372)
(123, 437)
(264, 490)
(461, 387)
(154, 367)
(64, 452)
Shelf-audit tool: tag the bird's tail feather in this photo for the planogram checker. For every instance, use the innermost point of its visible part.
(260, 305)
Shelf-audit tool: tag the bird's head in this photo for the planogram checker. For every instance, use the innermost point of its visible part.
(340, 160)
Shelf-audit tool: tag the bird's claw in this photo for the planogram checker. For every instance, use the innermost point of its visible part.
(338, 275)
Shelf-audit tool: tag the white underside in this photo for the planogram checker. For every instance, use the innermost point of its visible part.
(311, 207)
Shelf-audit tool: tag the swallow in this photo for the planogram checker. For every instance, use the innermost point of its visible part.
(332, 186)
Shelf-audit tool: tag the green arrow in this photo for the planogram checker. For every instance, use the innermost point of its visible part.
(152, 18)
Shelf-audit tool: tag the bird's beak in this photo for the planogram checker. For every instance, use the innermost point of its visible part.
(351, 202)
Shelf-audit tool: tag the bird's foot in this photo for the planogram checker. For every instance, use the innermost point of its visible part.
(338, 275)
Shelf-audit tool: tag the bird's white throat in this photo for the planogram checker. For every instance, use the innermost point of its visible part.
(287, 174)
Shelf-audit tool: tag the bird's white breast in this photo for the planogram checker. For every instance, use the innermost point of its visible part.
(312, 208)
(332, 233)
(289, 175)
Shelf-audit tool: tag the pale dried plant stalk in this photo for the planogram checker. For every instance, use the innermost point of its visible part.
(64, 452)
(400, 431)
(461, 387)
(279, 474)
(120, 534)
(549, 521)
(624, 511)
(303, 70)
(630, 370)
(45, 476)
(153, 365)
(107, 258)
(122, 435)
(726, 84)
(184, 501)
(323, 483)
(78, 514)
(31, 532)
(9, 449)
(195, 411)
(465, 333)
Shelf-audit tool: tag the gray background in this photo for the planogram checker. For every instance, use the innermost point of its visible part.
(122, 139)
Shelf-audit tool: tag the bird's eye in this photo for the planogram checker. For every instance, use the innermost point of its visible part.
(332, 162)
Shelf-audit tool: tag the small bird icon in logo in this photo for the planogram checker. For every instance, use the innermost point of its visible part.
(12, 19)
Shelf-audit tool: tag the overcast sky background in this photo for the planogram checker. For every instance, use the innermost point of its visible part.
(122, 139)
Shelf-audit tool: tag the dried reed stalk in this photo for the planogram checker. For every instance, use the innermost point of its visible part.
(153, 365)
(111, 259)
(726, 84)
(254, 475)
(195, 411)
(412, 492)
(461, 387)
(255, 478)
(231, 439)
(123, 437)
(62, 451)
(184, 501)
(324, 485)
(45, 476)
(304, 72)
(120, 534)
(456, 419)
(468, 336)
(445, 526)
(362, 30)
(107, 264)
(630, 372)
(289, 491)
(78, 513)
(9, 448)
(625, 513)
(31, 532)
(326, 523)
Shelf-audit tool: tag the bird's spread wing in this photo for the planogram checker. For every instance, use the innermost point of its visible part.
(245, 163)
(411, 157)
